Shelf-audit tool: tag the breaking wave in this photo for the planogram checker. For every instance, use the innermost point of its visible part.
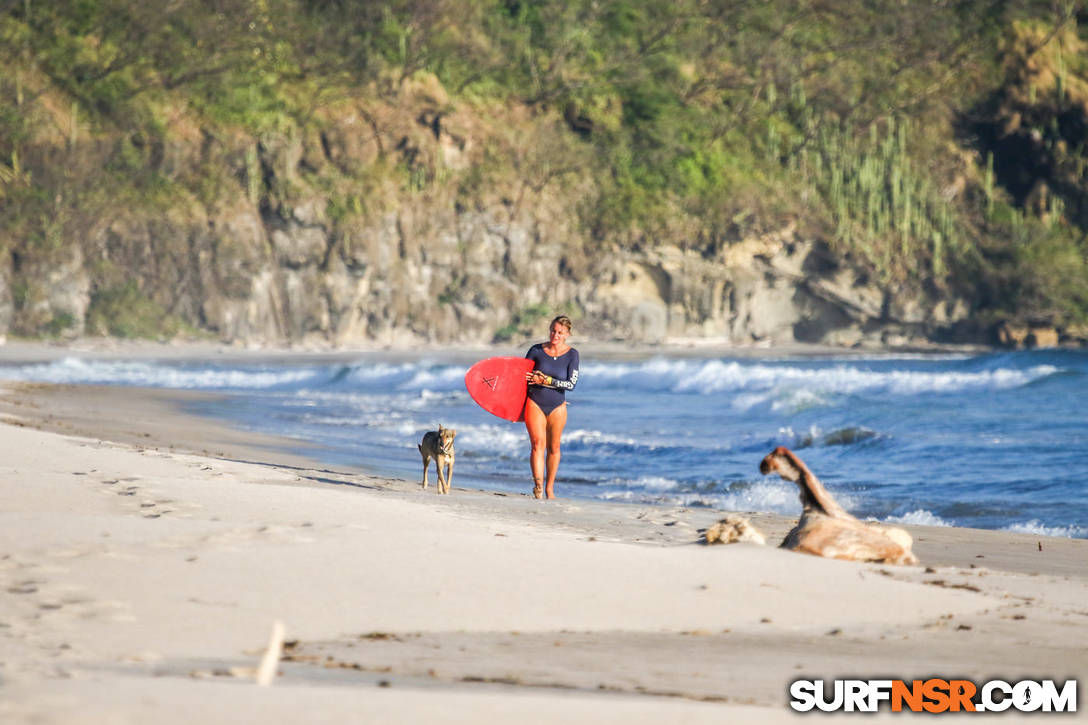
(919, 517)
(1035, 526)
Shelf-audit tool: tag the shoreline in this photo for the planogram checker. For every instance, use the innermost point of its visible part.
(160, 420)
(36, 351)
(146, 551)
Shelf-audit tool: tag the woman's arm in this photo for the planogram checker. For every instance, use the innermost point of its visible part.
(565, 384)
(572, 379)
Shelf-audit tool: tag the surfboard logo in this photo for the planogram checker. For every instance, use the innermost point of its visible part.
(490, 382)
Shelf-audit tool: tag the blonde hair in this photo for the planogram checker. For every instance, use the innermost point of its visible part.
(561, 320)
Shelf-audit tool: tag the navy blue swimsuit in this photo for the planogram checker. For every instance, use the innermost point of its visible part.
(563, 371)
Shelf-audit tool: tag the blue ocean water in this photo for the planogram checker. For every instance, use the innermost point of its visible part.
(997, 441)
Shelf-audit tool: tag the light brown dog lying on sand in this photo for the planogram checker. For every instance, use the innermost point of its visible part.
(438, 444)
(732, 529)
(825, 529)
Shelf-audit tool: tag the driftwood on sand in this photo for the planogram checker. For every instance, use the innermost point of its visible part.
(826, 529)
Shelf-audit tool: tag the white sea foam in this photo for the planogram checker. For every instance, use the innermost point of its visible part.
(773, 496)
(765, 497)
(369, 372)
(743, 402)
(797, 385)
(656, 484)
(597, 438)
(409, 429)
(920, 517)
(1035, 526)
(391, 421)
(492, 439)
(76, 370)
(785, 386)
(414, 400)
(797, 400)
(441, 379)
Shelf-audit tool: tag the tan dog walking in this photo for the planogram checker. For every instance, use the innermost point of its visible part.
(438, 444)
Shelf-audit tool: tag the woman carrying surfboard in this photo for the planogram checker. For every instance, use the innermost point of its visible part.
(555, 372)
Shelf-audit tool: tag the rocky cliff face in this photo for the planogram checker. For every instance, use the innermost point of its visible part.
(421, 274)
(360, 230)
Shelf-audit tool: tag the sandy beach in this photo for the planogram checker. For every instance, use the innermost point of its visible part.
(145, 555)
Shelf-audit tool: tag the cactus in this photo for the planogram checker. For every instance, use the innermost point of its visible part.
(883, 207)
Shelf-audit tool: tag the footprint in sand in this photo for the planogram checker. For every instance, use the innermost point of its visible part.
(41, 610)
(28, 586)
(157, 509)
(117, 485)
(149, 507)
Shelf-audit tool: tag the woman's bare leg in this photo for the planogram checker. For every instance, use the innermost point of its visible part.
(537, 425)
(556, 420)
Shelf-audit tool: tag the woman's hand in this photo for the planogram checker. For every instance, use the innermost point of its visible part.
(536, 378)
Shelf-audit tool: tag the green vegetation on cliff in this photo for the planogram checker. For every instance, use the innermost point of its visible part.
(936, 146)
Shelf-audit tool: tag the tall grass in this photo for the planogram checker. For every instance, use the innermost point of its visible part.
(884, 208)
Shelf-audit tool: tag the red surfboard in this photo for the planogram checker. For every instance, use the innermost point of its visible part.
(498, 385)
